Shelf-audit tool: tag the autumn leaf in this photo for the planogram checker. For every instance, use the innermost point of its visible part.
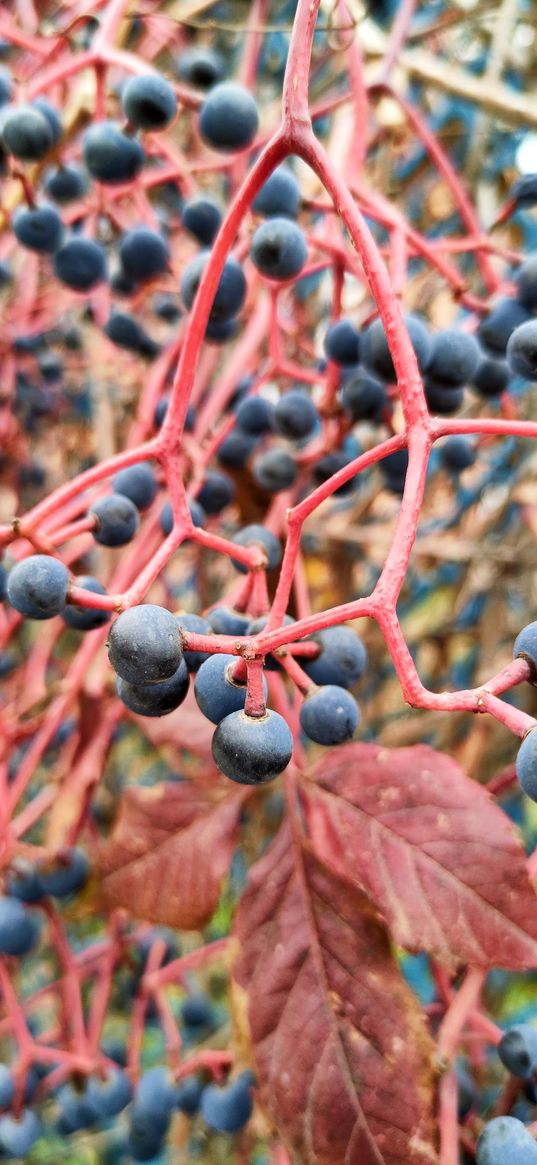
(341, 1052)
(430, 848)
(169, 851)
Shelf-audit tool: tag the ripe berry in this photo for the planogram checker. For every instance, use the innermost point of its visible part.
(37, 586)
(110, 155)
(197, 514)
(506, 1141)
(39, 229)
(228, 1109)
(230, 293)
(255, 535)
(155, 699)
(123, 330)
(144, 645)
(7, 1086)
(279, 195)
(393, 469)
(441, 400)
(517, 1049)
(252, 750)
(342, 343)
(66, 876)
(137, 482)
(18, 928)
(199, 626)
(454, 358)
(364, 397)
(24, 883)
(217, 693)
(86, 618)
(497, 327)
(275, 470)
(295, 415)
(376, 353)
(117, 520)
(80, 264)
(143, 254)
(201, 66)
(491, 377)
(217, 492)
(188, 1095)
(526, 281)
(342, 659)
(226, 621)
(197, 1011)
(255, 416)
(110, 1096)
(526, 647)
(26, 133)
(330, 716)
(148, 102)
(279, 249)
(228, 118)
(235, 449)
(18, 1134)
(526, 764)
(522, 350)
(201, 217)
(66, 183)
(50, 113)
(458, 453)
(156, 1095)
(76, 1110)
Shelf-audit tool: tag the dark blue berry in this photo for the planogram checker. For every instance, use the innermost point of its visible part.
(226, 621)
(201, 66)
(197, 513)
(18, 1134)
(364, 397)
(526, 647)
(117, 520)
(39, 229)
(148, 102)
(342, 343)
(506, 1141)
(517, 1049)
(454, 358)
(143, 254)
(255, 416)
(526, 764)
(330, 716)
(80, 264)
(197, 1011)
(458, 453)
(526, 282)
(491, 377)
(50, 113)
(188, 1095)
(230, 293)
(393, 469)
(217, 492)
(217, 693)
(86, 618)
(275, 470)
(37, 587)
(441, 400)
(235, 449)
(66, 183)
(342, 658)
(144, 645)
(66, 876)
(279, 195)
(125, 331)
(7, 1087)
(228, 1109)
(26, 133)
(376, 353)
(279, 249)
(111, 1095)
(18, 928)
(137, 482)
(496, 328)
(295, 415)
(255, 535)
(201, 217)
(77, 1110)
(110, 155)
(522, 350)
(155, 699)
(199, 626)
(252, 750)
(23, 882)
(228, 118)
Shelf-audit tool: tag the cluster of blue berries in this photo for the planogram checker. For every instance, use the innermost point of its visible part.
(506, 1140)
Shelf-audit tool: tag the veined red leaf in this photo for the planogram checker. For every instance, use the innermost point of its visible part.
(431, 849)
(341, 1053)
(168, 853)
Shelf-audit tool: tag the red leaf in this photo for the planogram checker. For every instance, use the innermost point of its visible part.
(430, 848)
(342, 1056)
(168, 853)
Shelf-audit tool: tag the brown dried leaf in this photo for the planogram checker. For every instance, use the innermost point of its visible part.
(431, 849)
(168, 853)
(339, 1046)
